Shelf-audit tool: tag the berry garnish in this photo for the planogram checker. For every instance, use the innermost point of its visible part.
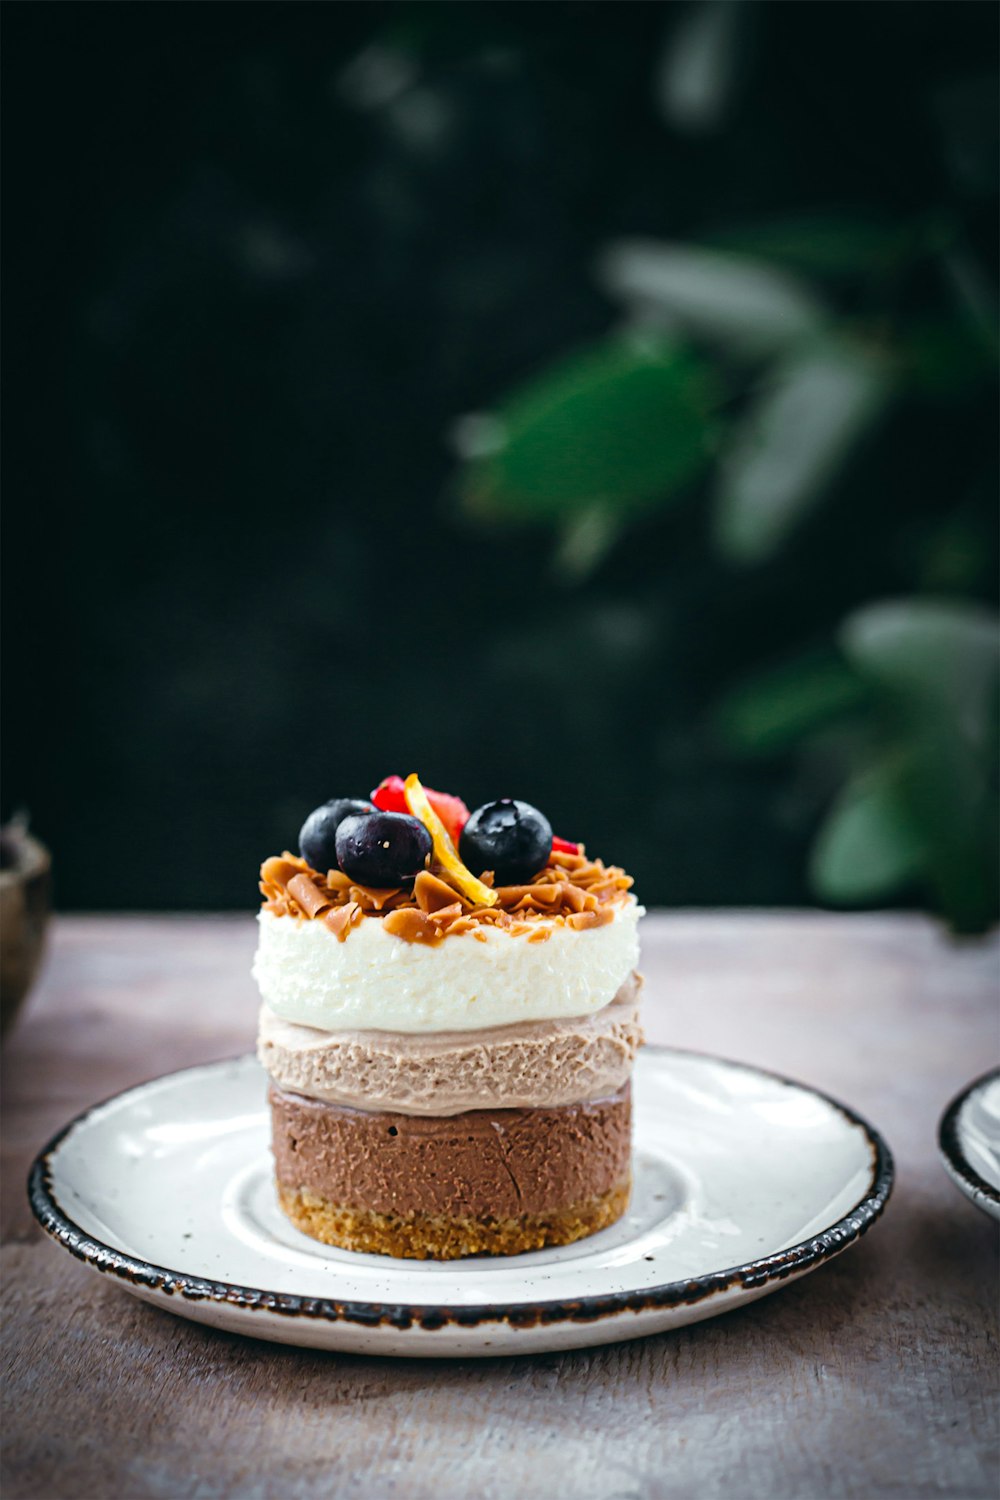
(318, 835)
(382, 848)
(390, 794)
(451, 810)
(513, 839)
(564, 846)
(418, 800)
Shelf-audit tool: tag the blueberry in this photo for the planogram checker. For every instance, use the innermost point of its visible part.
(513, 839)
(318, 834)
(382, 848)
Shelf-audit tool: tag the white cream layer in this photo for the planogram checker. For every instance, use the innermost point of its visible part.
(376, 982)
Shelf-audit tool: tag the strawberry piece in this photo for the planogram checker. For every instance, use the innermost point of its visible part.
(390, 796)
(565, 846)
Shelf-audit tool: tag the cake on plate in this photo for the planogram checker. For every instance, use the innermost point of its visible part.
(449, 1023)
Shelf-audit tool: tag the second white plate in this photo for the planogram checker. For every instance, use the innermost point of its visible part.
(743, 1182)
(969, 1141)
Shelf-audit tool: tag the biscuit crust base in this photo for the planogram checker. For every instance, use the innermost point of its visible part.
(419, 1236)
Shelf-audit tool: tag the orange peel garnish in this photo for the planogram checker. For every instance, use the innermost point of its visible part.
(444, 850)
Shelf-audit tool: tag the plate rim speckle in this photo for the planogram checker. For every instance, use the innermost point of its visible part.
(750, 1277)
(961, 1171)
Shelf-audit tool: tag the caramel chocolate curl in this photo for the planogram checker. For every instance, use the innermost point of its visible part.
(567, 861)
(304, 890)
(280, 869)
(371, 898)
(577, 899)
(412, 925)
(581, 920)
(445, 915)
(431, 893)
(542, 895)
(343, 918)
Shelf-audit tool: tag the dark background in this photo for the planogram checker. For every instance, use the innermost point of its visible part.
(260, 258)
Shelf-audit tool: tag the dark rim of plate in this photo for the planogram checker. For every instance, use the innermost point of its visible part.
(752, 1276)
(950, 1143)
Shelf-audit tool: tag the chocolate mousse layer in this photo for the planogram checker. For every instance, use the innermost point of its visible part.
(485, 1181)
(526, 1065)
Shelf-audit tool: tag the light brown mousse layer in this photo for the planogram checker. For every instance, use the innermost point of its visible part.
(530, 1065)
(483, 1182)
(571, 890)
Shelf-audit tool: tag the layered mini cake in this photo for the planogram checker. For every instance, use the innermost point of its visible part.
(450, 1018)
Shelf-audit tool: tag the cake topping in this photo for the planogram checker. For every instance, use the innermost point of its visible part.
(318, 835)
(382, 848)
(444, 850)
(390, 794)
(513, 839)
(432, 894)
(395, 858)
(571, 891)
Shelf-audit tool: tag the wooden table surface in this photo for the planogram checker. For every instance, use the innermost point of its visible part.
(877, 1376)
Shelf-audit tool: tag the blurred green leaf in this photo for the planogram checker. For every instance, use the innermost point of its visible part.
(792, 442)
(776, 709)
(941, 659)
(823, 243)
(749, 307)
(937, 667)
(950, 785)
(867, 849)
(701, 60)
(922, 679)
(619, 428)
(587, 538)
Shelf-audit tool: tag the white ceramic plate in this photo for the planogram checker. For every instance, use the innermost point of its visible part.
(969, 1138)
(743, 1182)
